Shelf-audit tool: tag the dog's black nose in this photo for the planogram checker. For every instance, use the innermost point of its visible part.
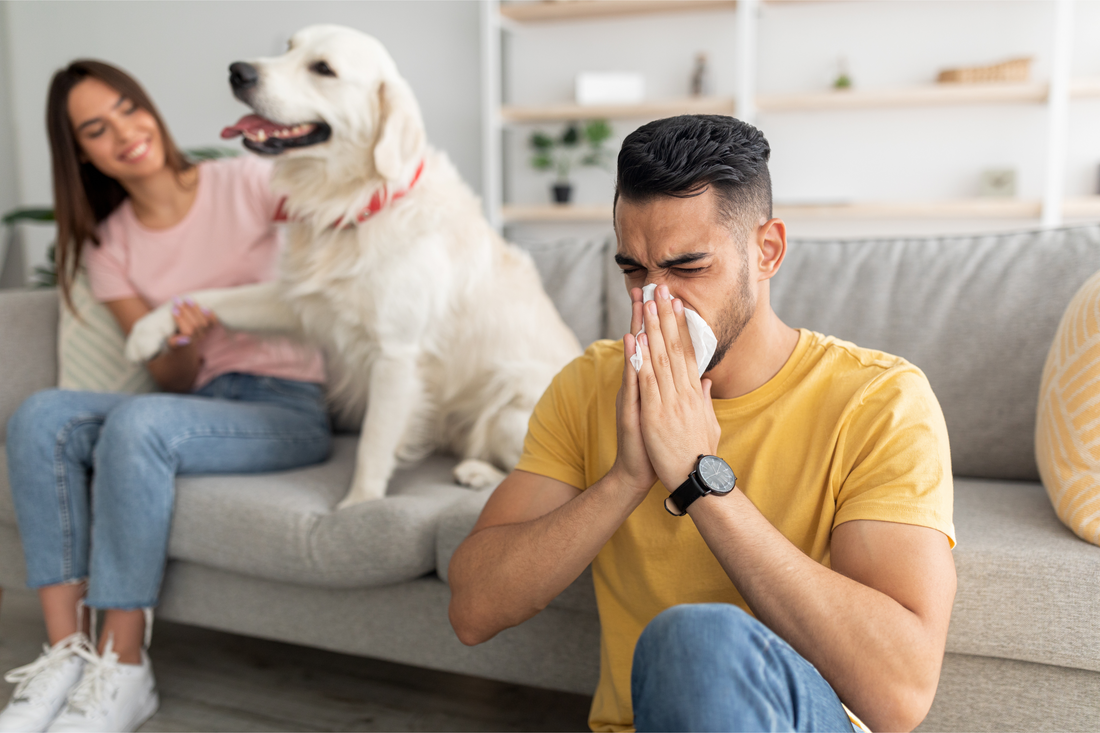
(242, 76)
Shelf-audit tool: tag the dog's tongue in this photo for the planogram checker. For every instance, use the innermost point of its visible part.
(249, 123)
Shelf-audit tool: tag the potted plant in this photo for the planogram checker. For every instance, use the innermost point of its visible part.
(578, 144)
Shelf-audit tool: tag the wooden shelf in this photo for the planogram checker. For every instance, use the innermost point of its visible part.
(981, 208)
(1081, 207)
(1084, 88)
(929, 95)
(535, 12)
(918, 96)
(642, 111)
(555, 214)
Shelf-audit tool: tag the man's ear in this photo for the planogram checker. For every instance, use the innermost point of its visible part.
(401, 141)
(771, 241)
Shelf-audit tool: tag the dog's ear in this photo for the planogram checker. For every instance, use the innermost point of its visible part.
(401, 140)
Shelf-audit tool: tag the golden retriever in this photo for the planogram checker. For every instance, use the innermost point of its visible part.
(440, 329)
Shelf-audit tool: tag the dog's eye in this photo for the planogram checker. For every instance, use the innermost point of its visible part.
(321, 68)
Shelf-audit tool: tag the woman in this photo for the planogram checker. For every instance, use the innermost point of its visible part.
(148, 226)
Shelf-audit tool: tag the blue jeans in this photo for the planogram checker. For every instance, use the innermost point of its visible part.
(713, 667)
(93, 474)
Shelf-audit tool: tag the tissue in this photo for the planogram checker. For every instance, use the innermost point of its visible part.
(703, 339)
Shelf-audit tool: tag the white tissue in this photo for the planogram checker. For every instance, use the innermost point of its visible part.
(703, 339)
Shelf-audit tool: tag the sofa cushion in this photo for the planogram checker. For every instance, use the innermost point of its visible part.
(1067, 437)
(90, 348)
(976, 313)
(7, 508)
(1028, 587)
(281, 526)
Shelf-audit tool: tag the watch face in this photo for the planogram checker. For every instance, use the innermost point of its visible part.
(716, 474)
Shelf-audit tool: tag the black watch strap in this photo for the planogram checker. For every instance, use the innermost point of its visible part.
(685, 494)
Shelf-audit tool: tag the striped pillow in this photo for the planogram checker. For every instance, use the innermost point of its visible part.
(90, 348)
(1067, 433)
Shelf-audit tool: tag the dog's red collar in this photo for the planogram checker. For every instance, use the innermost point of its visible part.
(377, 202)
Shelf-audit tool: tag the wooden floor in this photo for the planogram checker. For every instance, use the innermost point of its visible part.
(211, 681)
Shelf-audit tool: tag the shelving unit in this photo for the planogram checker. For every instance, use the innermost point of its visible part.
(645, 110)
(1055, 95)
(978, 208)
(581, 9)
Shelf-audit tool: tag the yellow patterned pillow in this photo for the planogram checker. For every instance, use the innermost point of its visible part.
(89, 348)
(1067, 432)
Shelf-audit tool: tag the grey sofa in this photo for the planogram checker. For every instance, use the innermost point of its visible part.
(265, 555)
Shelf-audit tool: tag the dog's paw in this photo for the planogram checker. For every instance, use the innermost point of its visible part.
(477, 474)
(150, 334)
(363, 492)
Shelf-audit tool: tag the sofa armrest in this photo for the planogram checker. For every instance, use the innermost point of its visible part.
(28, 347)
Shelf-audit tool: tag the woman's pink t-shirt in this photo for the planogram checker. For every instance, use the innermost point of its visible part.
(227, 239)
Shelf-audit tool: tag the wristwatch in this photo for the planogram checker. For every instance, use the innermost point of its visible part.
(712, 475)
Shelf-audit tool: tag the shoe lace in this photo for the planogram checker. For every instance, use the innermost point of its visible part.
(46, 666)
(88, 694)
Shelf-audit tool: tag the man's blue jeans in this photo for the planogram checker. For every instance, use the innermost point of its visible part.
(713, 667)
(93, 474)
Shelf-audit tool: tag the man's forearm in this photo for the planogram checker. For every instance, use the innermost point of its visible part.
(881, 658)
(503, 575)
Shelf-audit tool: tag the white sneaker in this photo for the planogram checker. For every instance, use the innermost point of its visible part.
(42, 687)
(110, 696)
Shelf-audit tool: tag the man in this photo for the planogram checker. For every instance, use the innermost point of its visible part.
(837, 537)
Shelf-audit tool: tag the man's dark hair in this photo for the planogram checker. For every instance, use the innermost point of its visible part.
(683, 156)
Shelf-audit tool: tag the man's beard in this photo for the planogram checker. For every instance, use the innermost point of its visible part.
(737, 314)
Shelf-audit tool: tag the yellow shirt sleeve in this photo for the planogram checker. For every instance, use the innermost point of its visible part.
(556, 434)
(896, 455)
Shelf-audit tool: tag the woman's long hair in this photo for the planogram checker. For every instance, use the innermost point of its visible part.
(83, 196)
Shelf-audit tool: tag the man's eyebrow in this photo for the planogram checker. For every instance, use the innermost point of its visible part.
(684, 259)
(94, 120)
(624, 261)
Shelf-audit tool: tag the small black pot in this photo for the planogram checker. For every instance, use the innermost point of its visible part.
(562, 193)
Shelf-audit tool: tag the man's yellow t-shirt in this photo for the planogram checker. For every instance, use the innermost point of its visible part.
(840, 433)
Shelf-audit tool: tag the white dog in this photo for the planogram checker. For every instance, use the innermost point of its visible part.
(442, 330)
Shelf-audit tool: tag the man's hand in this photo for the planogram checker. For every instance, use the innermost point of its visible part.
(632, 464)
(678, 423)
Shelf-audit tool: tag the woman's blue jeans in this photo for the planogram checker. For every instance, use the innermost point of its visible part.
(713, 667)
(93, 474)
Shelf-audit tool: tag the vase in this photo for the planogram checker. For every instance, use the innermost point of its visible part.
(563, 192)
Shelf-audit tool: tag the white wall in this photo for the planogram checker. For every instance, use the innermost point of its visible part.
(9, 179)
(180, 52)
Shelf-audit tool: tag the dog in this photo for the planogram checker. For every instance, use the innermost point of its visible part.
(440, 329)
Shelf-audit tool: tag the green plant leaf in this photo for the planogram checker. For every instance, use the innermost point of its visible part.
(39, 214)
(571, 136)
(597, 132)
(542, 161)
(541, 141)
(213, 153)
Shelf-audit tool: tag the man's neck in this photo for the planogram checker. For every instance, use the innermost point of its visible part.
(760, 352)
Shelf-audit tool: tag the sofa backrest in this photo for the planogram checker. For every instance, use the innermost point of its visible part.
(573, 275)
(976, 313)
(28, 348)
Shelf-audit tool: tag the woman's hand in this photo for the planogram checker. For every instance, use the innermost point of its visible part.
(193, 323)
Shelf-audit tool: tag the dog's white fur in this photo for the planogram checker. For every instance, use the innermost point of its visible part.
(441, 330)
